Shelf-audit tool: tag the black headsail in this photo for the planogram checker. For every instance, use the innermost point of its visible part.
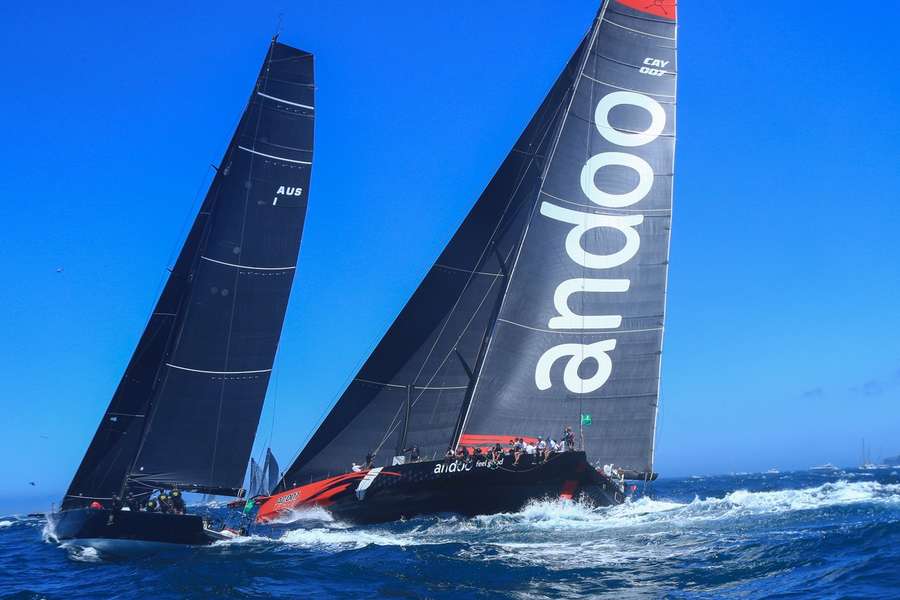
(467, 346)
(187, 407)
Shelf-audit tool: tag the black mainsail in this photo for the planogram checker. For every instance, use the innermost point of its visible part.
(186, 410)
(546, 308)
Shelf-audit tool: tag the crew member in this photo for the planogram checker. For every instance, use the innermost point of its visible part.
(541, 449)
(95, 505)
(151, 506)
(568, 440)
(370, 460)
(178, 506)
(165, 504)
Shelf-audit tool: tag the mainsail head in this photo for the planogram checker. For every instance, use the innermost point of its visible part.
(546, 308)
(188, 405)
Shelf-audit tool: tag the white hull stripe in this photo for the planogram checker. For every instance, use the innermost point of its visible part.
(283, 101)
(218, 372)
(366, 482)
(227, 264)
(290, 160)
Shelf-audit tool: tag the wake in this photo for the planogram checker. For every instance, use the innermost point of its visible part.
(540, 520)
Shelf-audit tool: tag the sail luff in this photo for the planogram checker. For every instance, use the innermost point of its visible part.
(441, 328)
(512, 271)
(182, 314)
(246, 232)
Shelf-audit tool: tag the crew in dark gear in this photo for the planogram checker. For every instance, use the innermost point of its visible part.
(370, 460)
(165, 503)
(177, 500)
(151, 506)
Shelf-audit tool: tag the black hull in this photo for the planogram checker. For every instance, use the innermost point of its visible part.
(103, 528)
(466, 488)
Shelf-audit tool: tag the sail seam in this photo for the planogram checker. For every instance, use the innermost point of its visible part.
(283, 101)
(594, 206)
(580, 332)
(218, 372)
(228, 264)
(473, 272)
(663, 37)
(577, 79)
(290, 160)
(619, 87)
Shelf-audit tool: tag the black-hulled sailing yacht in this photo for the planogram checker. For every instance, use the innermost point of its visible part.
(545, 310)
(186, 410)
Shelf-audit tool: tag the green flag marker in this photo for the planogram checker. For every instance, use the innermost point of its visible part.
(248, 508)
(585, 419)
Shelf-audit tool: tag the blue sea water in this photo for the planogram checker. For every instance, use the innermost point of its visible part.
(791, 535)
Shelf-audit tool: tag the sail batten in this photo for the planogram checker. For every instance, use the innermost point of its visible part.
(188, 405)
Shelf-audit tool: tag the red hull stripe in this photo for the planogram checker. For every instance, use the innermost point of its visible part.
(317, 493)
(666, 9)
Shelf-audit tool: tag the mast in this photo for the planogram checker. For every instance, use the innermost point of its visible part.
(592, 33)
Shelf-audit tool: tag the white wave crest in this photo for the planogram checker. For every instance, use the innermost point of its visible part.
(5, 524)
(347, 538)
(316, 513)
(83, 554)
(559, 527)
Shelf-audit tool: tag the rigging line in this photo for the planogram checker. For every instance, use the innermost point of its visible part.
(490, 240)
(394, 422)
(488, 244)
(524, 172)
(551, 156)
(520, 181)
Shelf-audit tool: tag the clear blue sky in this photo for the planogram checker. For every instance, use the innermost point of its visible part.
(782, 345)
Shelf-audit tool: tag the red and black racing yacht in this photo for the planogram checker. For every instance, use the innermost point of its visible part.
(186, 410)
(545, 309)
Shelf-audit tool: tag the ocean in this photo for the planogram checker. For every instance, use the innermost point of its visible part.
(766, 535)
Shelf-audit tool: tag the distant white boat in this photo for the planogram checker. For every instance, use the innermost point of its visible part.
(872, 467)
(825, 467)
(773, 471)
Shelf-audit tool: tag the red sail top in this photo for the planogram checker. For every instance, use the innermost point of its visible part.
(660, 8)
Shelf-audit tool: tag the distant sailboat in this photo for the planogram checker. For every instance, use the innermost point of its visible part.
(187, 408)
(544, 310)
(866, 463)
(263, 477)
